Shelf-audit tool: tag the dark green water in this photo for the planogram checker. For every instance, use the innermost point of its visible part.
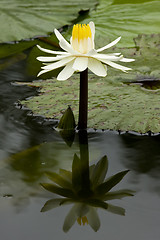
(22, 197)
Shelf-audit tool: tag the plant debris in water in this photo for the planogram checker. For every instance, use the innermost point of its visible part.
(148, 83)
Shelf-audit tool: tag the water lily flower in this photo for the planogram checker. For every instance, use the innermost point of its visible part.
(80, 54)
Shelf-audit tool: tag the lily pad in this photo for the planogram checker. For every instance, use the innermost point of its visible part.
(21, 19)
(111, 105)
(126, 18)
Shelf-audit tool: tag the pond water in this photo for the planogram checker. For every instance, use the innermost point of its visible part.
(22, 197)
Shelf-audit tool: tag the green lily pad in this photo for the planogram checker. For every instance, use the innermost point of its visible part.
(21, 19)
(8, 49)
(111, 105)
(126, 18)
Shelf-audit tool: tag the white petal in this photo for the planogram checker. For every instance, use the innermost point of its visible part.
(127, 60)
(71, 40)
(109, 45)
(108, 57)
(91, 52)
(66, 72)
(114, 54)
(115, 65)
(59, 35)
(58, 64)
(97, 67)
(66, 46)
(50, 51)
(51, 59)
(43, 71)
(80, 63)
(90, 45)
(92, 27)
(93, 219)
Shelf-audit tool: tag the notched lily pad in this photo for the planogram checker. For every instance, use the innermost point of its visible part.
(111, 105)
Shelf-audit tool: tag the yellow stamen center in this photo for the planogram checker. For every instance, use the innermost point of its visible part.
(81, 32)
(82, 38)
(83, 220)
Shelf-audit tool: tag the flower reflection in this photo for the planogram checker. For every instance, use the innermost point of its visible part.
(84, 214)
(87, 198)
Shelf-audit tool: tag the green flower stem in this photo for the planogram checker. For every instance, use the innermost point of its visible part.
(83, 100)
(84, 157)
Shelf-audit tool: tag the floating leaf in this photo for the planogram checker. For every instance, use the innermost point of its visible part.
(126, 19)
(7, 49)
(25, 19)
(112, 105)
